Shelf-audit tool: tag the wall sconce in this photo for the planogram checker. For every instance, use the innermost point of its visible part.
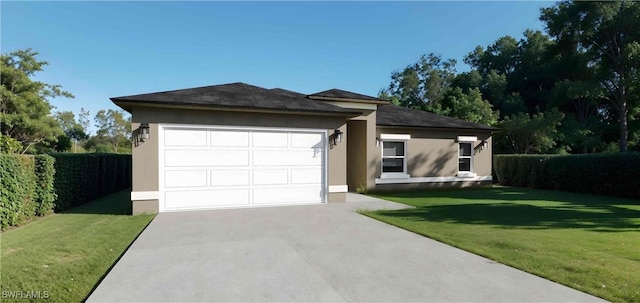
(144, 131)
(377, 142)
(336, 137)
(483, 144)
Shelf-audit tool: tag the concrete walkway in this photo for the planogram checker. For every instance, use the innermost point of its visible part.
(309, 254)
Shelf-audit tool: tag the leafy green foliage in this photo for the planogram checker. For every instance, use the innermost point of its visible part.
(606, 35)
(523, 133)
(612, 174)
(25, 110)
(9, 145)
(427, 85)
(45, 192)
(586, 66)
(467, 106)
(26, 188)
(113, 128)
(422, 85)
(83, 177)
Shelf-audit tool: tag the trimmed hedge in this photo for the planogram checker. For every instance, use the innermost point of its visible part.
(615, 174)
(26, 188)
(81, 178)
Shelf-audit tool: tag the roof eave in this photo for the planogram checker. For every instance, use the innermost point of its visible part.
(488, 128)
(128, 105)
(324, 98)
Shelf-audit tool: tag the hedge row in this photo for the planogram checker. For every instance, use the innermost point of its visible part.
(83, 177)
(616, 174)
(26, 188)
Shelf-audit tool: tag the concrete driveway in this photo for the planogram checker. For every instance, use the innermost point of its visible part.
(309, 254)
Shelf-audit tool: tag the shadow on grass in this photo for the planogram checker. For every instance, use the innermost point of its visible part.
(507, 208)
(118, 203)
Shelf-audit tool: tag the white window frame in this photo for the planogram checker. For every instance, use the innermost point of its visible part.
(471, 142)
(394, 138)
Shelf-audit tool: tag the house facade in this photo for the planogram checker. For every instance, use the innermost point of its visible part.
(237, 145)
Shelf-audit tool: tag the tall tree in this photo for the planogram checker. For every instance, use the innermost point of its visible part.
(113, 126)
(608, 34)
(84, 120)
(523, 133)
(72, 129)
(423, 84)
(501, 56)
(468, 105)
(25, 111)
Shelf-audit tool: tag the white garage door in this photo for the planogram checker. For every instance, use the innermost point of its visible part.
(205, 168)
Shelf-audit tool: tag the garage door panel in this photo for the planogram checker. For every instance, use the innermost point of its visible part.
(185, 178)
(305, 140)
(229, 138)
(286, 157)
(185, 137)
(271, 177)
(212, 167)
(199, 158)
(270, 139)
(306, 176)
(206, 198)
(230, 177)
(277, 195)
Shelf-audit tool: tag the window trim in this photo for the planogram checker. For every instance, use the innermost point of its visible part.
(470, 173)
(394, 138)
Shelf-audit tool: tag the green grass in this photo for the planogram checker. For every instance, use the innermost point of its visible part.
(590, 243)
(65, 255)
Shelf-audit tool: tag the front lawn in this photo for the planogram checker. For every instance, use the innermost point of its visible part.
(590, 243)
(62, 257)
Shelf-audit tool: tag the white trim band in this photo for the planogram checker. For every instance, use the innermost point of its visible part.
(395, 137)
(433, 180)
(467, 139)
(338, 188)
(144, 195)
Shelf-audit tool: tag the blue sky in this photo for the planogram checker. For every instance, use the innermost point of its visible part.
(98, 50)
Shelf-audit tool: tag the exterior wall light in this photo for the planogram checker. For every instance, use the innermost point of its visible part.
(144, 131)
(336, 137)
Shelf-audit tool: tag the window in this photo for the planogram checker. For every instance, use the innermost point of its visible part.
(393, 157)
(465, 157)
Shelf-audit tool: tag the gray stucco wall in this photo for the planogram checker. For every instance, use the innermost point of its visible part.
(145, 155)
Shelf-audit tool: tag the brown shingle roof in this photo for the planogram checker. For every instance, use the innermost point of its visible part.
(393, 115)
(236, 96)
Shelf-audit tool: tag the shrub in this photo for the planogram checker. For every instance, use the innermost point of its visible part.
(45, 192)
(81, 178)
(26, 188)
(613, 174)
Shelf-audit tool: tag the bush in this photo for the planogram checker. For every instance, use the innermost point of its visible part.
(26, 188)
(81, 178)
(614, 174)
(45, 192)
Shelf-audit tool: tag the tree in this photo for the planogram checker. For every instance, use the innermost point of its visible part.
(422, 85)
(113, 127)
(523, 133)
(607, 33)
(73, 130)
(468, 106)
(501, 56)
(25, 111)
(84, 120)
